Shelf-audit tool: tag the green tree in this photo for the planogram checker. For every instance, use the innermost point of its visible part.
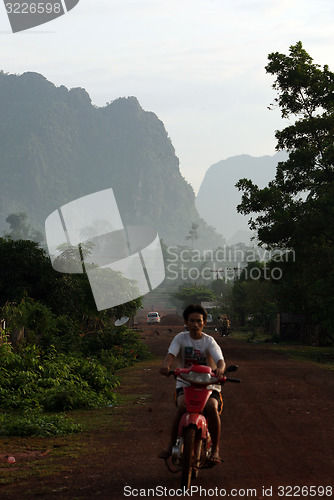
(26, 271)
(254, 296)
(299, 197)
(20, 228)
(296, 209)
(28, 320)
(194, 294)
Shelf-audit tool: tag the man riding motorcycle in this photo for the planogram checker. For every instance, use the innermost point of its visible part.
(196, 347)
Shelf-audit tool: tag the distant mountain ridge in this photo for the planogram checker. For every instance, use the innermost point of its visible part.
(56, 146)
(218, 197)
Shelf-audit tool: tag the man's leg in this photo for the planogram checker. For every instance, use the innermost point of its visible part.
(181, 408)
(214, 424)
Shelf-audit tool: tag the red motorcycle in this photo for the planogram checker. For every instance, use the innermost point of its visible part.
(192, 450)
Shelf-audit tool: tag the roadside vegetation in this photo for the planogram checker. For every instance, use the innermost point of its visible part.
(296, 350)
(57, 353)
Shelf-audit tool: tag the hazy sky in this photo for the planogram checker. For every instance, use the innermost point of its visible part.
(197, 64)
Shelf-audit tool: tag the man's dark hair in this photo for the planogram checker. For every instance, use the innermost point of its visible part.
(194, 308)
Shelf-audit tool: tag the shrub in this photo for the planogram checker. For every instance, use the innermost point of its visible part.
(54, 382)
(36, 424)
(40, 376)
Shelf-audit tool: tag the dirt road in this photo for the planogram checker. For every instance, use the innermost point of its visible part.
(277, 435)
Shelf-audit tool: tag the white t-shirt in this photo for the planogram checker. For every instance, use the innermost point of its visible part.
(191, 351)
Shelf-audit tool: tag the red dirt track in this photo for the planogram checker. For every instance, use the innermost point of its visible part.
(277, 430)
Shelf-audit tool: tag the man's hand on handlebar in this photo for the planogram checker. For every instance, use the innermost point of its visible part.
(168, 361)
(219, 372)
(164, 370)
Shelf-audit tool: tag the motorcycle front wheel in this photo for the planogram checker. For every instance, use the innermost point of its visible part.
(188, 456)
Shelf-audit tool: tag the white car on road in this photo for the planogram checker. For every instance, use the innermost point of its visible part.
(153, 317)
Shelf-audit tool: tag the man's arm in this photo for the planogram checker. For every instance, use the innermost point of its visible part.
(218, 357)
(220, 368)
(168, 361)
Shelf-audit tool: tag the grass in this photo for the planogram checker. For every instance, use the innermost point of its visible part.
(60, 452)
(63, 452)
(323, 356)
(249, 336)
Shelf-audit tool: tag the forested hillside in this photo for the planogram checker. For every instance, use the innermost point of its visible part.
(218, 197)
(57, 146)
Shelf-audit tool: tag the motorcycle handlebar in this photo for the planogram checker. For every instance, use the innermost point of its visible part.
(221, 381)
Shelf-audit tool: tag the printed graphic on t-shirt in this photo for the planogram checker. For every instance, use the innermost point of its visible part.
(193, 357)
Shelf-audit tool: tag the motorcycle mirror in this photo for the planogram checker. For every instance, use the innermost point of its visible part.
(231, 368)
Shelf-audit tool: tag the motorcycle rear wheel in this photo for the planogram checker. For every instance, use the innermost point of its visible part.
(188, 456)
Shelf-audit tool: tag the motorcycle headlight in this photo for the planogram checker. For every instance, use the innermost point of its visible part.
(199, 378)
